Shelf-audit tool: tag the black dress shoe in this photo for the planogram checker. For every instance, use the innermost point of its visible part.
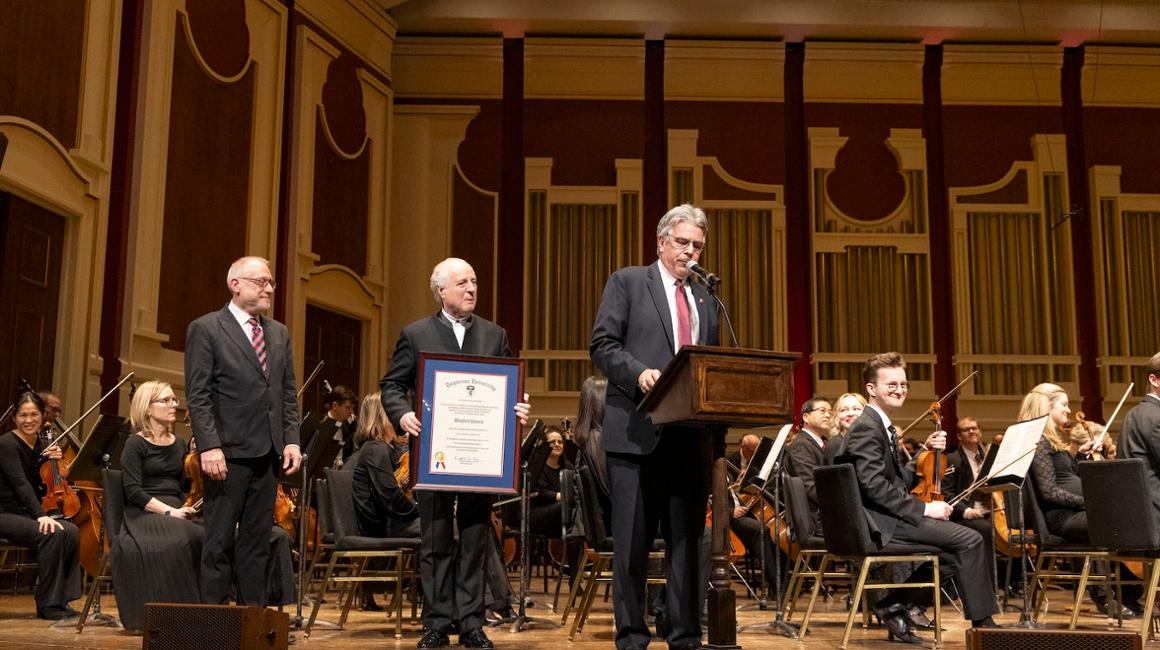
(433, 639)
(918, 619)
(985, 623)
(475, 639)
(897, 624)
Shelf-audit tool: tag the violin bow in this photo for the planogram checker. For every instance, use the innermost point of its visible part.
(310, 379)
(940, 401)
(56, 441)
(1103, 434)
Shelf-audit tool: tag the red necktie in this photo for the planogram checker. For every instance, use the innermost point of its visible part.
(684, 324)
(259, 343)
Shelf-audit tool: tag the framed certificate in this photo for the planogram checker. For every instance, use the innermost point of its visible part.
(470, 435)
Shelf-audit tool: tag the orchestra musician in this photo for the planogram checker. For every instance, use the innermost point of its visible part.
(646, 314)
(847, 409)
(896, 515)
(383, 506)
(23, 520)
(742, 520)
(1141, 433)
(588, 434)
(1055, 479)
(52, 408)
(452, 583)
(339, 404)
(544, 517)
(239, 382)
(807, 452)
(156, 556)
(965, 462)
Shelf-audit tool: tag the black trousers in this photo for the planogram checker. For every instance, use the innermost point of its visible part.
(57, 565)
(244, 502)
(962, 558)
(669, 486)
(453, 582)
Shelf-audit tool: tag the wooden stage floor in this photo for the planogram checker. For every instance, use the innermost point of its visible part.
(19, 629)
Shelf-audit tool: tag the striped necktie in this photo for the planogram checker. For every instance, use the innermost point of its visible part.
(258, 340)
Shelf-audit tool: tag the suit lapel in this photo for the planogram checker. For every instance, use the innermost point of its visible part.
(704, 302)
(657, 289)
(230, 325)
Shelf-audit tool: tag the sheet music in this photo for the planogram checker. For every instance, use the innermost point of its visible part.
(778, 444)
(1019, 439)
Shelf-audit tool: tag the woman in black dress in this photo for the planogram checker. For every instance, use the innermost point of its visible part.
(158, 552)
(23, 520)
(1055, 478)
(383, 508)
(157, 555)
(544, 517)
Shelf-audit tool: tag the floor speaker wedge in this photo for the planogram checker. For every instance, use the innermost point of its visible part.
(172, 626)
(1021, 639)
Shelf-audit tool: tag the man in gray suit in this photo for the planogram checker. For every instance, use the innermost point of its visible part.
(239, 384)
(646, 314)
(1141, 437)
(452, 582)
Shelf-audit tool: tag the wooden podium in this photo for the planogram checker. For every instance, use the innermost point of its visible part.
(715, 388)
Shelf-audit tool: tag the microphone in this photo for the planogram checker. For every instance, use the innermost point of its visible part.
(710, 279)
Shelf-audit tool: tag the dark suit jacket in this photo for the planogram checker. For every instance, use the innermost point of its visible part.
(954, 482)
(883, 482)
(634, 332)
(1141, 439)
(433, 334)
(802, 458)
(232, 405)
(835, 449)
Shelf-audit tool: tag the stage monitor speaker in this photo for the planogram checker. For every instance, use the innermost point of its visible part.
(174, 626)
(1020, 639)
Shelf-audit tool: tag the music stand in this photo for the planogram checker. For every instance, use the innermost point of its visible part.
(772, 470)
(100, 450)
(533, 465)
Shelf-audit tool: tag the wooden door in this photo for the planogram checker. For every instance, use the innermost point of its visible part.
(31, 245)
(337, 340)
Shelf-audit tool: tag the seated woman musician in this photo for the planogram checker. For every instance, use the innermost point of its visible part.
(383, 507)
(157, 555)
(23, 520)
(544, 517)
(1055, 479)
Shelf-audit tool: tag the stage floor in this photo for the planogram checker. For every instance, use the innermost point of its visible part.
(372, 629)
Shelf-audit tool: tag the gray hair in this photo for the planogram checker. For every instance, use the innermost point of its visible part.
(682, 213)
(439, 275)
(235, 271)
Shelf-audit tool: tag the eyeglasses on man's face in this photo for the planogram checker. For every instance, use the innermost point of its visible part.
(895, 387)
(684, 242)
(262, 283)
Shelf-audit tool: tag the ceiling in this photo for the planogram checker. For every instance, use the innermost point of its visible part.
(1067, 22)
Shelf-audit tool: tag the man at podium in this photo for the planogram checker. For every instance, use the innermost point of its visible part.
(656, 474)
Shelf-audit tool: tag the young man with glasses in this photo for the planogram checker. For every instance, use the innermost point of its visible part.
(239, 384)
(898, 516)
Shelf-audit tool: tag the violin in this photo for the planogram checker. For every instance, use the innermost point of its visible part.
(931, 465)
(59, 496)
